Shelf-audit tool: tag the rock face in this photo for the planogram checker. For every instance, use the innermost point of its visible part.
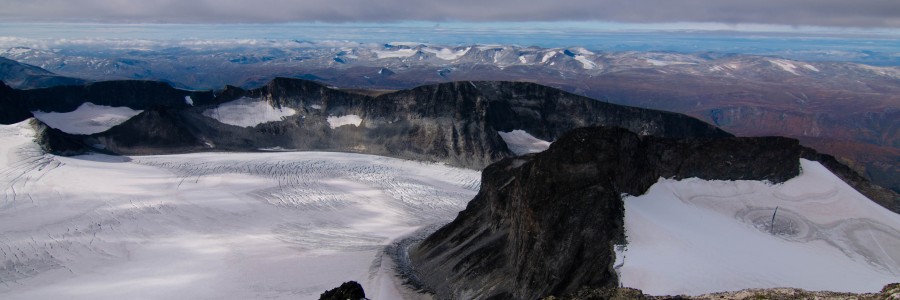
(545, 224)
(457, 123)
(350, 290)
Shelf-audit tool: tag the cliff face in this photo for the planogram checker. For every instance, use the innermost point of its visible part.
(457, 123)
(545, 224)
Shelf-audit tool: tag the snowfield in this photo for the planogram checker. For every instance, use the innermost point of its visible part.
(290, 225)
(210, 225)
(88, 118)
(248, 112)
(695, 236)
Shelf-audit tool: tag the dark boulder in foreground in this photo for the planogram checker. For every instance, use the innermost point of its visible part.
(350, 290)
(545, 224)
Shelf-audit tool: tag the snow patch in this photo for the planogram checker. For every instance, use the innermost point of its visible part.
(521, 142)
(335, 122)
(583, 51)
(447, 54)
(785, 65)
(88, 118)
(399, 53)
(316, 106)
(586, 63)
(662, 63)
(522, 59)
(810, 67)
(696, 236)
(188, 100)
(248, 112)
(548, 56)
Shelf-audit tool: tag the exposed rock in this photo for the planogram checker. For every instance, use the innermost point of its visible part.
(455, 122)
(350, 290)
(545, 224)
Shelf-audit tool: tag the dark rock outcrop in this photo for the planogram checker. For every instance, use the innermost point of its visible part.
(350, 290)
(545, 224)
(11, 108)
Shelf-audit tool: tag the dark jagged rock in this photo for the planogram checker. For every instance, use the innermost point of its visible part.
(57, 142)
(545, 224)
(11, 108)
(350, 290)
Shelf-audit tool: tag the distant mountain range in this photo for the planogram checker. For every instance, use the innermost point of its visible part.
(26, 76)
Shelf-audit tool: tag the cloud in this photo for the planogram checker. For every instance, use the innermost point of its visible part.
(836, 13)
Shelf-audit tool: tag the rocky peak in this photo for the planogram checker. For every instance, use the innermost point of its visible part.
(545, 224)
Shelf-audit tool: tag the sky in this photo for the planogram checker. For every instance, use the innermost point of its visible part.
(827, 13)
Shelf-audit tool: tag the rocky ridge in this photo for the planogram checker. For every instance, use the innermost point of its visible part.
(545, 224)
(457, 122)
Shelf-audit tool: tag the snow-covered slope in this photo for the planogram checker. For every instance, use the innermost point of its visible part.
(695, 236)
(88, 118)
(248, 112)
(209, 225)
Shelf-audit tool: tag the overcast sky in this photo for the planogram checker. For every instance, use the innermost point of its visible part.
(834, 13)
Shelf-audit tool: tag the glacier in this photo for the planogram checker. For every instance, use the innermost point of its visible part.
(272, 225)
(696, 236)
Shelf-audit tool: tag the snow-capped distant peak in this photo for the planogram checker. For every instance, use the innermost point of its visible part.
(399, 53)
(248, 112)
(582, 51)
(88, 118)
(447, 54)
(404, 44)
